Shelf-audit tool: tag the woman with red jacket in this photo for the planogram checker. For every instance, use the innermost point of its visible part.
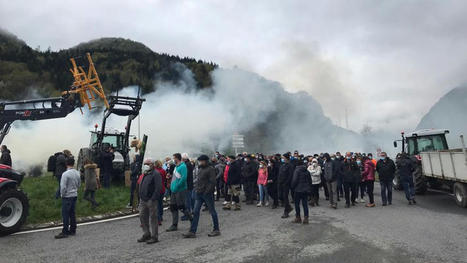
(262, 182)
(368, 175)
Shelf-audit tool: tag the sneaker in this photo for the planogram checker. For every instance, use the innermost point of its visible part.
(362, 200)
(334, 206)
(305, 220)
(152, 240)
(172, 228)
(259, 204)
(384, 204)
(227, 207)
(225, 203)
(214, 233)
(413, 201)
(129, 206)
(410, 202)
(370, 205)
(285, 216)
(189, 235)
(297, 220)
(267, 204)
(237, 207)
(61, 235)
(144, 238)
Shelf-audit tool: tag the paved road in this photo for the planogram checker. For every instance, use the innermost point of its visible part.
(433, 231)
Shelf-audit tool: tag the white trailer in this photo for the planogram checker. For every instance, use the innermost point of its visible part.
(448, 167)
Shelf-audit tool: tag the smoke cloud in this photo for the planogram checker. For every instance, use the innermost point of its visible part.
(178, 117)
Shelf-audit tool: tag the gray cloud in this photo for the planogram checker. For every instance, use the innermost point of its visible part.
(388, 61)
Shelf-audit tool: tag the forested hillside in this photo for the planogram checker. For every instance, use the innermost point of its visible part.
(26, 72)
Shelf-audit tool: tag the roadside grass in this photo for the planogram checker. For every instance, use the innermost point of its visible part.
(43, 207)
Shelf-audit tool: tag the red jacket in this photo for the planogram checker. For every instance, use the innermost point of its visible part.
(226, 173)
(262, 176)
(163, 174)
(368, 171)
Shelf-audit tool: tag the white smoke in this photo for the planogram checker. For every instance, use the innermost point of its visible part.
(181, 118)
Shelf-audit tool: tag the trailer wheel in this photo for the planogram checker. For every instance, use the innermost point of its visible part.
(460, 193)
(14, 207)
(419, 181)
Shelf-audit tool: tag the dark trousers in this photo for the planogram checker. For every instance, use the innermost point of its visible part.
(218, 188)
(160, 207)
(350, 192)
(362, 186)
(226, 193)
(249, 188)
(315, 193)
(57, 193)
(325, 187)
(284, 194)
(370, 185)
(273, 193)
(386, 192)
(134, 181)
(340, 188)
(208, 199)
(301, 198)
(409, 188)
(106, 177)
(69, 215)
(90, 196)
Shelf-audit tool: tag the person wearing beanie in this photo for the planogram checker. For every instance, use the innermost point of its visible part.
(284, 179)
(204, 189)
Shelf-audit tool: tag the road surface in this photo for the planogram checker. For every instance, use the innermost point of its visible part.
(435, 230)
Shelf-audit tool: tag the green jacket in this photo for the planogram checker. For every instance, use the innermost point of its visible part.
(179, 177)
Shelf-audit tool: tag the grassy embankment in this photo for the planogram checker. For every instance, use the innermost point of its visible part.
(43, 207)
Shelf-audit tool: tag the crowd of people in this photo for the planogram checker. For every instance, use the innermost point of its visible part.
(187, 185)
(269, 180)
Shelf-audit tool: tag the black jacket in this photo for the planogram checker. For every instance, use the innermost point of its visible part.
(350, 172)
(386, 169)
(285, 175)
(151, 186)
(235, 173)
(6, 158)
(60, 165)
(273, 171)
(250, 171)
(206, 182)
(189, 177)
(106, 161)
(330, 173)
(301, 182)
(405, 166)
(339, 168)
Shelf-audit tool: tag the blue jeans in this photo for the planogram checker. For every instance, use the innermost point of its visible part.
(160, 208)
(386, 192)
(189, 204)
(263, 193)
(409, 189)
(69, 215)
(209, 200)
(303, 198)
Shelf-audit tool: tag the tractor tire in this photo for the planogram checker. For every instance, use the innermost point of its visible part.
(14, 208)
(460, 194)
(419, 181)
(396, 182)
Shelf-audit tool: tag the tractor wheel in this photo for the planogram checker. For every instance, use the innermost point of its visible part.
(419, 181)
(396, 182)
(14, 207)
(460, 193)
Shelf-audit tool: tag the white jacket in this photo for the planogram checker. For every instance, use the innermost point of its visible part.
(315, 174)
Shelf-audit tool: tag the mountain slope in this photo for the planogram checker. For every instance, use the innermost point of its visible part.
(450, 112)
(119, 62)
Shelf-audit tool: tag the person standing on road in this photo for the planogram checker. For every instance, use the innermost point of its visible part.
(69, 185)
(189, 199)
(368, 175)
(273, 170)
(330, 174)
(204, 188)
(301, 184)
(284, 179)
(250, 175)
(315, 171)
(150, 187)
(262, 182)
(234, 180)
(406, 167)
(386, 169)
(351, 177)
(338, 167)
(90, 182)
(220, 167)
(135, 168)
(178, 189)
(6, 156)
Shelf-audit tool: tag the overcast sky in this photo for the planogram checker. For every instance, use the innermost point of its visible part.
(386, 62)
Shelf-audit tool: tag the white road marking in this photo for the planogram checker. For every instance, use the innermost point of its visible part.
(81, 224)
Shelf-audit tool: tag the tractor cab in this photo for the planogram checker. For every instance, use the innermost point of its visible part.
(423, 141)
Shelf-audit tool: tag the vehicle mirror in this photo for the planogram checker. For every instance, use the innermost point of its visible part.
(395, 144)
